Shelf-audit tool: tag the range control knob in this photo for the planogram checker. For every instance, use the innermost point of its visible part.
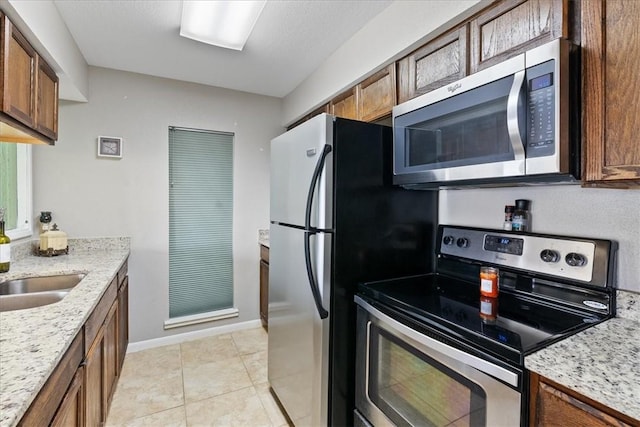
(575, 259)
(549, 255)
(462, 242)
(448, 240)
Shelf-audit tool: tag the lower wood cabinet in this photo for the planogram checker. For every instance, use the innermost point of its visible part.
(94, 382)
(555, 405)
(78, 393)
(55, 391)
(71, 411)
(123, 321)
(111, 357)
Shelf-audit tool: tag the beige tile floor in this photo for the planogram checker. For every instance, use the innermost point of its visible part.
(213, 381)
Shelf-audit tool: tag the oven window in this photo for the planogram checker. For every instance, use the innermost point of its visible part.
(413, 389)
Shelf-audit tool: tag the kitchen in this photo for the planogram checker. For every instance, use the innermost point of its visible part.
(131, 194)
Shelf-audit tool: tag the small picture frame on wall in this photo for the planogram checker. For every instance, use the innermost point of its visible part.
(110, 146)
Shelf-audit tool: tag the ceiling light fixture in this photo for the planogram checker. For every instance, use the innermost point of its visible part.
(221, 23)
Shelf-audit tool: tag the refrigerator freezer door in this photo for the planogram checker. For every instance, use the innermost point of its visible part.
(298, 339)
(294, 156)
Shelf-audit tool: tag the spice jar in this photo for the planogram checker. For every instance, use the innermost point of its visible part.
(521, 220)
(508, 217)
(489, 282)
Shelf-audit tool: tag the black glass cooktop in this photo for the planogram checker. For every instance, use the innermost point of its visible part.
(510, 327)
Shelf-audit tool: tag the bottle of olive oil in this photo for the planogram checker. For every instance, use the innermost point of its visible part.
(5, 246)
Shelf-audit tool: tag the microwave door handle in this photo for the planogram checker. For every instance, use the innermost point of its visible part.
(513, 125)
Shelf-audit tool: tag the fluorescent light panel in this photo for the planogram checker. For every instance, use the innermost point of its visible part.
(221, 23)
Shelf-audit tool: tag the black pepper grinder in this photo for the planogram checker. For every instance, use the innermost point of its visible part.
(521, 217)
(45, 219)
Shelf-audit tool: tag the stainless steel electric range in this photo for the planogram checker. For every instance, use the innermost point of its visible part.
(431, 350)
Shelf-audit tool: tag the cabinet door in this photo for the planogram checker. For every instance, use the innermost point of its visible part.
(47, 101)
(514, 26)
(346, 105)
(611, 60)
(71, 411)
(94, 382)
(264, 293)
(110, 369)
(436, 64)
(19, 79)
(123, 322)
(377, 94)
(556, 406)
(56, 390)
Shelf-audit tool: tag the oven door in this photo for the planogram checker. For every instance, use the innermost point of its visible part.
(404, 377)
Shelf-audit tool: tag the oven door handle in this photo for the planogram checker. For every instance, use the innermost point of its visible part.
(513, 122)
(442, 348)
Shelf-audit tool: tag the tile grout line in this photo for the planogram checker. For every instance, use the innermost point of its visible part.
(184, 389)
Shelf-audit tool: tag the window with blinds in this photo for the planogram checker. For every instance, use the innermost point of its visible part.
(200, 222)
(15, 188)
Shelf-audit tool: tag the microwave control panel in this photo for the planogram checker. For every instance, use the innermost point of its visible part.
(541, 93)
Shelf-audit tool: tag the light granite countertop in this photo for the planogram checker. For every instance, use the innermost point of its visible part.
(602, 362)
(33, 341)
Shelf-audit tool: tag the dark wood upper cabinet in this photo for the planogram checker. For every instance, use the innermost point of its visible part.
(610, 82)
(19, 61)
(377, 94)
(28, 90)
(47, 101)
(438, 63)
(345, 105)
(513, 26)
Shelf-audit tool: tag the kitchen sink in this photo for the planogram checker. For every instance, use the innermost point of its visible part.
(33, 292)
(40, 284)
(36, 299)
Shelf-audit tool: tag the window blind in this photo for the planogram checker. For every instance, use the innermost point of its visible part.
(200, 221)
(9, 183)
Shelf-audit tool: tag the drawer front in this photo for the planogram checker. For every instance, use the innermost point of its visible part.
(99, 315)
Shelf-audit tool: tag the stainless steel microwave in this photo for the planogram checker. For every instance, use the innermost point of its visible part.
(507, 123)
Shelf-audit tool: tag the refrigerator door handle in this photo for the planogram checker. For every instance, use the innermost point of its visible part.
(312, 187)
(309, 230)
(315, 291)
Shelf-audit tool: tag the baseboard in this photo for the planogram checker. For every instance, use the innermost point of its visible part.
(189, 336)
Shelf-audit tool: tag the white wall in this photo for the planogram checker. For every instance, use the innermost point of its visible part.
(565, 210)
(396, 31)
(92, 196)
(43, 26)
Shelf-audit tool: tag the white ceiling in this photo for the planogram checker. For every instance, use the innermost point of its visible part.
(290, 40)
